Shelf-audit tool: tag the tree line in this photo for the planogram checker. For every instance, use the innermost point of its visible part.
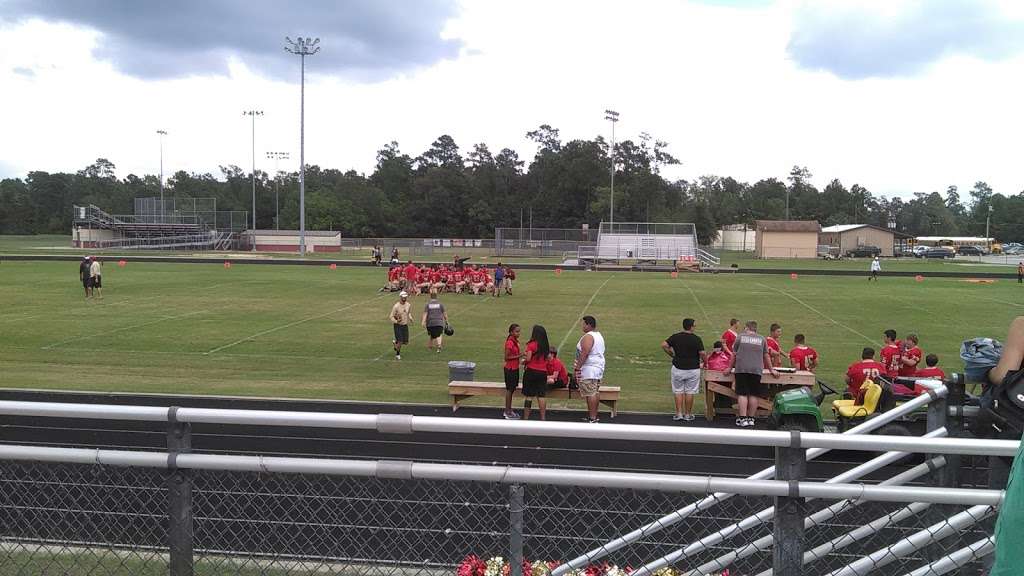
(445, 193)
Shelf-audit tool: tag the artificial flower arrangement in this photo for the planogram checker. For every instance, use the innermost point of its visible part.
(473, 565)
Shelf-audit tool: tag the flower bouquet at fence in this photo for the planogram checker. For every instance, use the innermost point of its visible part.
(473, 565)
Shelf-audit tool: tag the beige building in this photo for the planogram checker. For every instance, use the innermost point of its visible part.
(787, 238)
(848, 237)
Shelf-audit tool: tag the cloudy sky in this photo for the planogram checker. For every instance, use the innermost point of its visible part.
(899, 95)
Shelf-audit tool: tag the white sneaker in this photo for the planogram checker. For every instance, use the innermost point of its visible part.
(678, 417)
(741, 422)
(398, 356)
(748, 422)
(689, 417)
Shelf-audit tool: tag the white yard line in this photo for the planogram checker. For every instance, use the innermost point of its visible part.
(453, 314)
(818, 312)
(288, 325)
(699, 305)
(582, 313)
(997, 301)
(116, 330)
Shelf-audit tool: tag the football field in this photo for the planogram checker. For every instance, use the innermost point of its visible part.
(312, 332)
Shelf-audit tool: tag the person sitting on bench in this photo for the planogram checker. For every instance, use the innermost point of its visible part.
(558, 376)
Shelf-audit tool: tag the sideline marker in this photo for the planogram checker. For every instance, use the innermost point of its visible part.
(227, 264)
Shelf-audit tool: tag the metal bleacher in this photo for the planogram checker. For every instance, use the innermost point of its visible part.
(171, 230)
(644, 242)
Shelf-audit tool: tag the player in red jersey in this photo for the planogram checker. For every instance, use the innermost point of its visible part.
(729, 336)
(460, 280)
(911, 356)
(412, 277)
(891, 355)
(774, 348)
(558, 376)
(477, 280)
(424, 284)
(435, 278)
(858, 372)
(802, 356)
(394, 279)
(933, 370)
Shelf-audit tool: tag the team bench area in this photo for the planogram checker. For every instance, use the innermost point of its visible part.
(459, 391)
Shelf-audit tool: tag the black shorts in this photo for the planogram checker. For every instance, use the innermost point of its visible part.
(401, 333)
(96, 282)
(750, 385)
(511, 379)
(435, 331)
(535, 383)
(87, 282)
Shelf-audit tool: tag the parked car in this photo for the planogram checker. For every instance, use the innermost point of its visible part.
(939, 252)
(970, 251)
(920, 250)
(864, 252)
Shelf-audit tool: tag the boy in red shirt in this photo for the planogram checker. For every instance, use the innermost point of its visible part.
(730, 334)
(558, 377)
(858, 372)
(802, 357)
(412, 277)
(910, 357)
(460, 280)
(774, 349)
(394, 279)
(891, 355)
(933, 370)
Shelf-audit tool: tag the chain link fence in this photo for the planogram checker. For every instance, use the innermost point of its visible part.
(99, 519)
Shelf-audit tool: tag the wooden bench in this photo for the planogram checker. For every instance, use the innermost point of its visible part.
(719, 384)
(459, 391)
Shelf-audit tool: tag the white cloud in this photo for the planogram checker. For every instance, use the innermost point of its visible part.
(715, 82)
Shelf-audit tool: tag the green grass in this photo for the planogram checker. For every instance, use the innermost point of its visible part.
(310, 332)
(960, 265)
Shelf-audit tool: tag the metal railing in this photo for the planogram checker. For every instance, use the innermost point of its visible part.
(101, 511)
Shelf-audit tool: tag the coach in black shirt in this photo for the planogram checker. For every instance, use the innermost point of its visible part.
(687, 352)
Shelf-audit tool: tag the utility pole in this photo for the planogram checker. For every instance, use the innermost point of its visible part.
(302, 47)
(254, 114)
(613, 117)
(162, 133)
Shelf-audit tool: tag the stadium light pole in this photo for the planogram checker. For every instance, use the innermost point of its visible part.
(162, 133)
(988, 220)
(254, 114)
(277, 156)
(302, 47)
(613, 117)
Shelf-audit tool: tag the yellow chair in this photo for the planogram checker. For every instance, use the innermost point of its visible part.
(847, 408)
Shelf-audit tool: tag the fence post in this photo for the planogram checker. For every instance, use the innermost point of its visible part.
(938, 417)
(515, 532)
(788, 550)
(179, 498)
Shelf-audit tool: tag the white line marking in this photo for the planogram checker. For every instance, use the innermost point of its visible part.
(818, 312)
(418, 334)
(697, 300)
(116, 330)
(575, 323)
(289, 325)
(997, 301)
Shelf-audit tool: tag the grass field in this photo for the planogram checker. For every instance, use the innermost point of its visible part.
(301, 331)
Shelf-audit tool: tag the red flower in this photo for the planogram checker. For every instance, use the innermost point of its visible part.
(471, 566)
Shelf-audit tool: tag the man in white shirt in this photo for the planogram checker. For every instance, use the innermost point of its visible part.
(589, 365)
(96, 278)
(876, 267)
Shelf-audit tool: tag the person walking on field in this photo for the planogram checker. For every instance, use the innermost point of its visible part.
(400, 318)
(513, 355)
(1020, 273)
(589, 365)
(750, 357)
(876, 267)
(96, 277)
(83, 275)
(435, 318)
(687, 352)
(535, 377)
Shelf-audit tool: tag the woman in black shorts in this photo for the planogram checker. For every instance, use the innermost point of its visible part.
(535, 378)
(513, 355)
